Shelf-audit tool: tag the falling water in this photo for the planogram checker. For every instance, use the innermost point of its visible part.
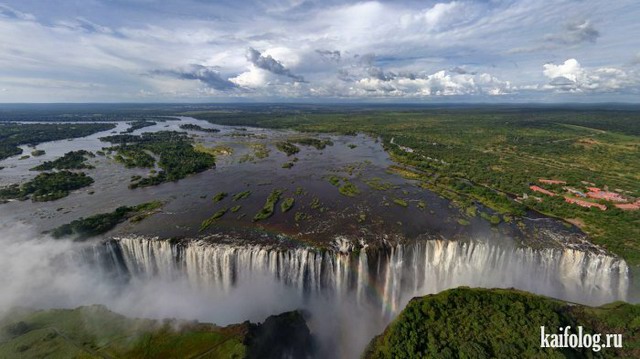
(386, 278)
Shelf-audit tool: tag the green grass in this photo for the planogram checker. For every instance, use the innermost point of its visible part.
(400, 202)
(269, 207)
(348, 189)
(287, 204)
(241, 195)
(287, 147)
(209, 221)
(94, 332)
(219, 197)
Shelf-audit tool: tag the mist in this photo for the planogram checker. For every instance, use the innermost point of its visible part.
(38, 272)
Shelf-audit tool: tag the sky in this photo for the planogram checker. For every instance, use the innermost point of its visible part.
(319, 51)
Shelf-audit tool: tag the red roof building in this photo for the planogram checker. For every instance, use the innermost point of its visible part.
(597, 193)
(629, 206)
(541, 190)
(586, 204)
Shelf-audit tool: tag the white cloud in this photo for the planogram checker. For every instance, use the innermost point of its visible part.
(352, 48)
(572, 77)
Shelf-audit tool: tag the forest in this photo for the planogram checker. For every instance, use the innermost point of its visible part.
(177, 156)
(500, 323)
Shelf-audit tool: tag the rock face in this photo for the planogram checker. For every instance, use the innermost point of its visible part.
(280, 336)
(502, 323)
(385, 278)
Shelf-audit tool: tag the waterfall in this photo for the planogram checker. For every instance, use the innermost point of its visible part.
(387, 278)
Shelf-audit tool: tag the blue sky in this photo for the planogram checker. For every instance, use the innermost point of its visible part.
(412, 51)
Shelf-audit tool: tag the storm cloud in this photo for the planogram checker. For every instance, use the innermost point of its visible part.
(266, 62)
(207, 75)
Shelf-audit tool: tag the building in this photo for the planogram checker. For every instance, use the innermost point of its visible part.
(597, 193)
(586, 204)
(541, 190)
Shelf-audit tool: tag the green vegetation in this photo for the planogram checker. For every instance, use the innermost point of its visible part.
(334, 180)
(14, 135)
(491, 156)
(94, 332)
(188, 126)
(220, 150)
(259, 151)
(209, 221)
(287, 165)
(348, 189)
(241, 195)
(47, 186)
(269, 206)
(38, 153)
(378, 184)
(352, 146)
(235, 209)
(177, 157)
(493, 219)
(287, 204)
(287, 147)
(345, 187)
(136, 125)
(132, 158)
(220, 196)
(300, 216)
(84, 228)
(400, 202)
(311, 141)
(500, 323)
(74, 160)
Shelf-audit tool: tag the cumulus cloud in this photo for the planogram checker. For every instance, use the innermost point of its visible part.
(440, 83)
(570, 76)
(268, 63)
(575, 33)
(205, 74)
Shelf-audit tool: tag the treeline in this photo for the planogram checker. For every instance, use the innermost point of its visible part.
(74, 160)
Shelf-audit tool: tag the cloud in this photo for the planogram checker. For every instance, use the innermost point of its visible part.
(570, 76)
(576, 32)
(84, 25)
(11, 13)
(270, 64)
(333, 56)
(205, 74)
(440, 83)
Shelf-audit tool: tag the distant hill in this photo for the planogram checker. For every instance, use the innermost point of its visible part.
(500, 323)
